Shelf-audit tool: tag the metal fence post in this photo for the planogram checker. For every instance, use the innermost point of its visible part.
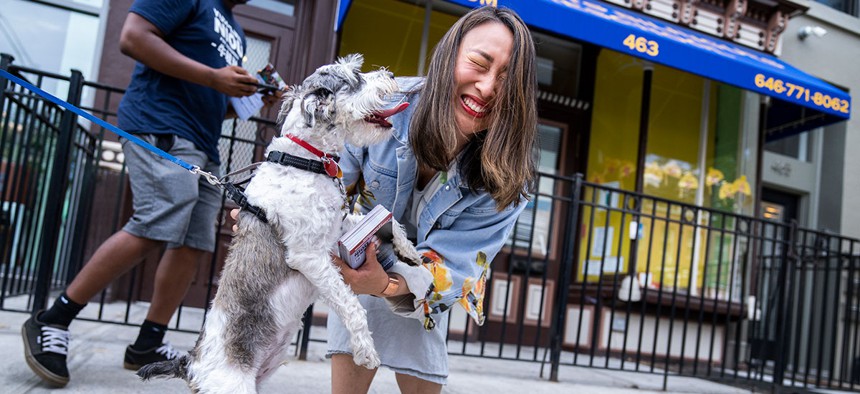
(305, 333)
(56, 195)
(82, 213)
(5, 62)
(783, 334)
(571, 235)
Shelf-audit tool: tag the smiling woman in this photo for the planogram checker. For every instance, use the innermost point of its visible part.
(481, 62)
(454, 173)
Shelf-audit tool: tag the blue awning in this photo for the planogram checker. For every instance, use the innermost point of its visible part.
(674, 46)
(342, 8)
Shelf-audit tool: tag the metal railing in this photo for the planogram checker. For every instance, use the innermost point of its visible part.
(652, 285)
(592, 276)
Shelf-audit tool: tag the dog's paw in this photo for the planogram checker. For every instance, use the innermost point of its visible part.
(366, 358)
(408, 255)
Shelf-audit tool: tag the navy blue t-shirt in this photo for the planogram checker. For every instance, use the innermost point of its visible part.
(205, 31)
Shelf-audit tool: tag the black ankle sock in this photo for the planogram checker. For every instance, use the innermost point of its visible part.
(151, 335)
(62, 312)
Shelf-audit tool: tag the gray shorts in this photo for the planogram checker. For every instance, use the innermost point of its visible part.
(170, 203)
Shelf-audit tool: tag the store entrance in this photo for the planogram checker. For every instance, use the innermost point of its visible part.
(778, 205)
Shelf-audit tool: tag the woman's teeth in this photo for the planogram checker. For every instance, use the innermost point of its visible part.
(473, 105)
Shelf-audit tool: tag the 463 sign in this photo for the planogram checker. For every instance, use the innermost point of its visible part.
(799, 92)
(642, 45)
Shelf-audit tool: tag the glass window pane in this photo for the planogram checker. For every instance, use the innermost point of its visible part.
(557, 65)
(841, 5)
(91, 3)
(240, 152)
(401, 34)
(286, 7)
(614, 136)
(533, 224)
(49, 39)
(795, 146)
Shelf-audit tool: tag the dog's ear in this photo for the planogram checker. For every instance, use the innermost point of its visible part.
(318, 105)
(286, 103)
(353, 61)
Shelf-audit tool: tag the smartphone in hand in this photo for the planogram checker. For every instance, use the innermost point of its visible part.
(266, 88)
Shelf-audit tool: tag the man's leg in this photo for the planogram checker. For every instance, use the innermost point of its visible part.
(175, 273)
(195, 227)
(118, 254)
(173, 277)
(46, 335)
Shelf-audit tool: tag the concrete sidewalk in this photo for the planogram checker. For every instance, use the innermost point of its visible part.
(97, 349)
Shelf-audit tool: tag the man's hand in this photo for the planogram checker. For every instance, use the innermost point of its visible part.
(233, 81)
(272, 98)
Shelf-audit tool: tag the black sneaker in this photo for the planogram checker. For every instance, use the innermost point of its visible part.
(46, 347)
(135, 359)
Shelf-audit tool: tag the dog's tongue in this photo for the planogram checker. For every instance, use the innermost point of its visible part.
(391, 111)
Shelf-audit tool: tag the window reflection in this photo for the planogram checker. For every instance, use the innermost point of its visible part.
(50, 39)
(533, 225)
(845, 6)
(286, 7)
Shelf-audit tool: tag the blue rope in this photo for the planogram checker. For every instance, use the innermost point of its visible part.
(88, 116)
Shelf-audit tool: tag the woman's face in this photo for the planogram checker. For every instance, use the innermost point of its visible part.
(482, 64)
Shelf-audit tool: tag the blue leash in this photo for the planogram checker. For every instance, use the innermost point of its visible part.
(131, 137)
(233, 192)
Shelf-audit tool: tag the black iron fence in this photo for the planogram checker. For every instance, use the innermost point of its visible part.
(653, 285)
(591, 276)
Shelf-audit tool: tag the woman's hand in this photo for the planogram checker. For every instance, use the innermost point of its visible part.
(235, 215)
(369, 278)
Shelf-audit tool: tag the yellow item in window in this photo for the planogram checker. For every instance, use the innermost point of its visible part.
(653, 174)
(742, 186)
(672, 168)
(714, 177)
(727, 190)
(688, 182)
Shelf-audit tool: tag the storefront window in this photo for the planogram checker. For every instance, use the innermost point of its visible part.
(693, 143)
(697, 167)
(401, 34)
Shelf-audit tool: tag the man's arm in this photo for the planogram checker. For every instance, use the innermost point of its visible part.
(142, 41)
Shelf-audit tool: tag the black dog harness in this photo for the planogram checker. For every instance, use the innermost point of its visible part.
(289, 160)
(237, 194)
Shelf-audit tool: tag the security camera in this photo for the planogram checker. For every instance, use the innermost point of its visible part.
(807, 31)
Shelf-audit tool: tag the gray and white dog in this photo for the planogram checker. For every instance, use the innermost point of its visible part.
(275, 270)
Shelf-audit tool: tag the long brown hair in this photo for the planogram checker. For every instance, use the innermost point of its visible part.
(500, 159)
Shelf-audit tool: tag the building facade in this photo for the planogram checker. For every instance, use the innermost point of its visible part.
(626, 120)
(641, 97)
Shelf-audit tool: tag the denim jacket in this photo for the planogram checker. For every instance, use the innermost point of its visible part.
(459, 231)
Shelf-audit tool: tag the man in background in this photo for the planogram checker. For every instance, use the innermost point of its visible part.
(189, 56)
